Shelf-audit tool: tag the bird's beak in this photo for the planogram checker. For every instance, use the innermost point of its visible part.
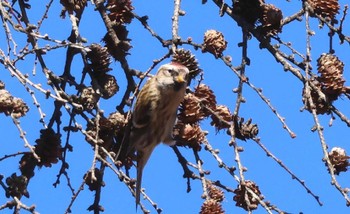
(180, 79)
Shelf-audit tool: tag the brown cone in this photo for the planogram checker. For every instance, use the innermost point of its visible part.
(190, 110)
(17, 186)
(120, 51)
(48, 147)
(189, 135)
(222, 117)
(271, 20)
(211, 207)
(339, 160)
(207, 98)
(185, 57)
(88, 98)
(214, 43)
(325, 8)
(331, 78)
(245, 130)
(73, 5)
(99, 58)
(108, 84)
(94, 184)
(250, 10)
(215, 193)
(120, 11)
(241, 193)
(321, 106)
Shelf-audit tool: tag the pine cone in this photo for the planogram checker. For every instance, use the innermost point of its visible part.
(120, 11)
(117, 119)
(108, 84)
(215, 193)
(241, 193)
(189, 135)
(20, 108)
(271, 20)
(331, 78)
(339, 160)
(27, 165)
(48, 147)
(99, 58)
(214, 43)
(244, 131)
(321, 106)
(72, 5)
(17, 186)
(94, 184)
(211, 207)
(185, 57)
(222, 118)
(250, 10)
(325, 8)
(88, 98)
(190, 110)
(207, 97)
(6, 102)
(120, 51)
(106, 132)
(11, 105)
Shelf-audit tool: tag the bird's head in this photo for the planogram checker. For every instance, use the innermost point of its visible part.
(173, 74)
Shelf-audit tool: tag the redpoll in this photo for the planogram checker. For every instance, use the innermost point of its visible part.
(155, 112)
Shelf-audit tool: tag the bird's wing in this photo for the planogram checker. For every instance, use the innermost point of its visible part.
(142, 112)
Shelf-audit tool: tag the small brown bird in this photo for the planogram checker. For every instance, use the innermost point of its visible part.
(154, 114)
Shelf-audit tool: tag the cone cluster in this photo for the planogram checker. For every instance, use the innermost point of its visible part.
(271, 19)
(193, 109)
(88, 98)
(245, 130)
(108, 128)
(109, 86)
(241, 193)
(330, 82)
(17, 186)
(215, 193)
(331, 78)
(186, 58)
(190, 110)
(325, 8)
(48, 147)
(94, 184)
(73, 6)
(99, 58)
(339, 160)
(120, 11)
(10, 105)
(206, 97)
(222, 118)
(250, 10)
(321, 106)
(269, 15)
(100, 62)
(190, 135)
(211, 206)
(214, 43)
(27, 165)
(121, 50)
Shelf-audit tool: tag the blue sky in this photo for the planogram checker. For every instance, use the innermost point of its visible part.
(163, 175)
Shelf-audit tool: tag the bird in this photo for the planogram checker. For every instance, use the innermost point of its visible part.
(154, 114)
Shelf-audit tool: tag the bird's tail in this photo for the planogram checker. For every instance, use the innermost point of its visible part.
(142, 158)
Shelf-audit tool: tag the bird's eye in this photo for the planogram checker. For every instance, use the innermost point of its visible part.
(171, 72)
